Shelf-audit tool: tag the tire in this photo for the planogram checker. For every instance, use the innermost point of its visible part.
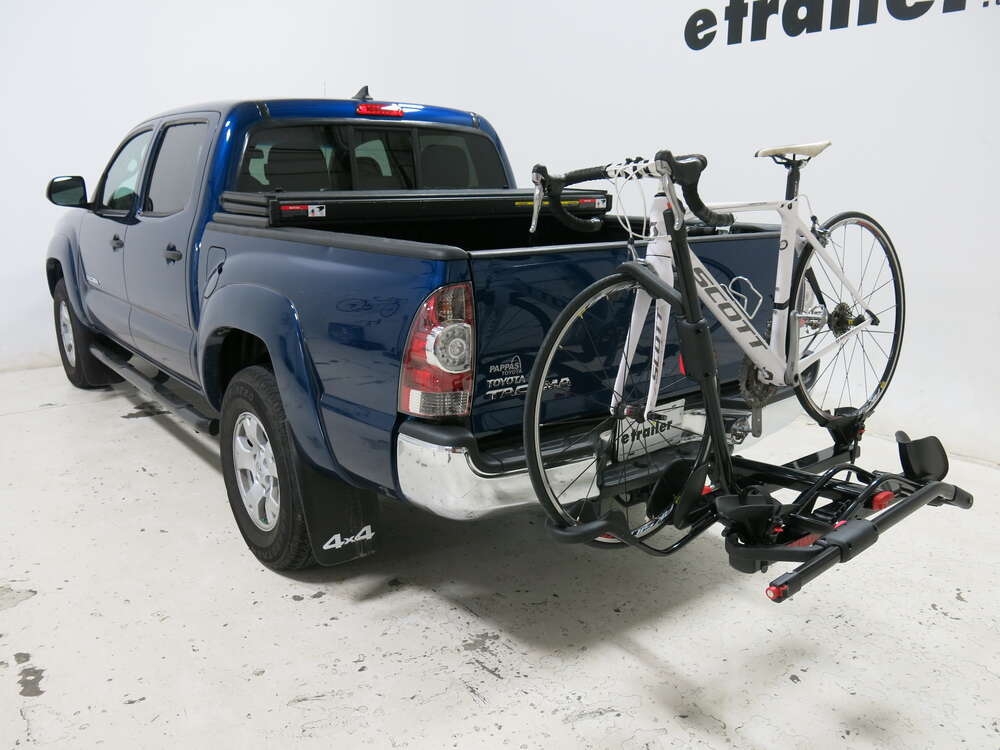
(258, 466)
(74, 339)
(648, 508)
(866, 384)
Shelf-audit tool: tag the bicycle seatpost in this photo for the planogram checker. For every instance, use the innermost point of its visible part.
(794, 167)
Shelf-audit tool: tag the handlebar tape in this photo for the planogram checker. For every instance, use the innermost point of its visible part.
(585, 175)
(702, 211)
(686, 171)
(554, 185)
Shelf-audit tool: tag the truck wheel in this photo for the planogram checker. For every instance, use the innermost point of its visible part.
(257, 464)
(82, 369)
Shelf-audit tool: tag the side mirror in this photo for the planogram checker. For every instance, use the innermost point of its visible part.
(68, 191)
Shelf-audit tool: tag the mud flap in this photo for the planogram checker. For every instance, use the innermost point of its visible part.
(342, 520)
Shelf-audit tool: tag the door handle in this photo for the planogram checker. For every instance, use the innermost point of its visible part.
(117, 243)
(172, 254)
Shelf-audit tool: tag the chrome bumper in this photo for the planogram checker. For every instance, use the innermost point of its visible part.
(444, 480)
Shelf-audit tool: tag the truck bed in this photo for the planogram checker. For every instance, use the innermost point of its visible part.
(521, 281)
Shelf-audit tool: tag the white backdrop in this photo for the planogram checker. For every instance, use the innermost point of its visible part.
(910, 105)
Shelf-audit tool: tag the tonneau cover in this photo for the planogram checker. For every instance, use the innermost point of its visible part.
(324, 208)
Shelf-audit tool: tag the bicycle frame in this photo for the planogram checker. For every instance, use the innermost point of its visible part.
(775, 365)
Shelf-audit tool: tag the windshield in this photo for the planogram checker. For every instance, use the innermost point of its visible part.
(311, 157)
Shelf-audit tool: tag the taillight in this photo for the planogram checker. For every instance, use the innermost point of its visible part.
(436, 380)
(383, 110)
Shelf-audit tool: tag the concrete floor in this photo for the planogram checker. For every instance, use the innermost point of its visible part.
(132, 615)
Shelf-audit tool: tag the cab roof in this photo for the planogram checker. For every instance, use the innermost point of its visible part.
(339, 108)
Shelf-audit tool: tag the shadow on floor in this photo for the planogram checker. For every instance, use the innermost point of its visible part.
(205, 447)
(509, 573)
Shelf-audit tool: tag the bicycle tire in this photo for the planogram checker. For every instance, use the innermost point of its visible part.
(819, 409)
(576, 308)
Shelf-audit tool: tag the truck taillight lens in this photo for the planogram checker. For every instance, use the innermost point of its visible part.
(436, 380)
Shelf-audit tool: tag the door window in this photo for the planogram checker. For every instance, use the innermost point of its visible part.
(177, 164)
(121, 182)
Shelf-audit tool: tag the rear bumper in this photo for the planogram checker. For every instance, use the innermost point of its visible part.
(444, 480)
(437, 469)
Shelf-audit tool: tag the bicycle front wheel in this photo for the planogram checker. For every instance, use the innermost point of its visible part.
(588, 452)
(855, 374)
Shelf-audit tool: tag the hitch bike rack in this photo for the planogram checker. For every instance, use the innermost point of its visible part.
(760, 530)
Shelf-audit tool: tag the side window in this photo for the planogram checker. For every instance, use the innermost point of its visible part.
(120, 185)
(177, 161)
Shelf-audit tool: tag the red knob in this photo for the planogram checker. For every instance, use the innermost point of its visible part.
(882, 500)
(776, 593)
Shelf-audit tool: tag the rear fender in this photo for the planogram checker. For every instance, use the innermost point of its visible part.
(273, 319)
(341, 520)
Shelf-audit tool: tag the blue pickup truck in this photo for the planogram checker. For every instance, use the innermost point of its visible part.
(346, 292)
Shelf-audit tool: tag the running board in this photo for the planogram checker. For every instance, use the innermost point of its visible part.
(156, 390)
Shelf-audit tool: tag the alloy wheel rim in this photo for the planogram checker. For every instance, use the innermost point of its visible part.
(66, 334)
(256, 471)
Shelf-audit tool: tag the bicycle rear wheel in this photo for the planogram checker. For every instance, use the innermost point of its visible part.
(585, 459)
(856, 375)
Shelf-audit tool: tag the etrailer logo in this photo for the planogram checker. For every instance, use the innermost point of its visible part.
(798, 16)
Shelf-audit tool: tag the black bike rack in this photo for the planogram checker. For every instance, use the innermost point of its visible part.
(759, 530)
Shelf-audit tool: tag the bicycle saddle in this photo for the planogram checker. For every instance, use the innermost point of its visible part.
(802, 149)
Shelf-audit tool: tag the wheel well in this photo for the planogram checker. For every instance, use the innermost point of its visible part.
(54, 272)
(239, 349)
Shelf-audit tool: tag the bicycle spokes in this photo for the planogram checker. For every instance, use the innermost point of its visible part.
(859, 335)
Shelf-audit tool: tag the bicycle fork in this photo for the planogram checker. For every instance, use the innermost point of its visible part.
(668, 255)
(659, 257)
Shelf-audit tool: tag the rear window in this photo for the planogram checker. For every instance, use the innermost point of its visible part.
(347, 157)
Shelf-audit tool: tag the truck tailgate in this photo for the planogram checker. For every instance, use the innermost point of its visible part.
(519, 292)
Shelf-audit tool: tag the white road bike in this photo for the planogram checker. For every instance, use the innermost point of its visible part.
(833, 336)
